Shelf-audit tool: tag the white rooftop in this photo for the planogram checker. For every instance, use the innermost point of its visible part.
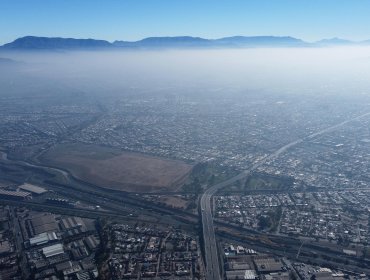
(43, 238)
(32, 188)
(53, 250)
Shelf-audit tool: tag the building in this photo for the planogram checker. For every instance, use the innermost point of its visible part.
(43, 238)
(241, 274)
(15, 195)
(32, 189)
(73, 226)
(41, 223)
(91, 242)
(265, 264)
(53, 250)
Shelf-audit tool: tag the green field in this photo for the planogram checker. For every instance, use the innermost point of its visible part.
(261, 182)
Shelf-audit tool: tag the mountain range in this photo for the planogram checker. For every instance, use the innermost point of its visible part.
(52, 43)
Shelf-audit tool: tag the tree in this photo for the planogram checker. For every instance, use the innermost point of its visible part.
(212, 179)
(264, 222)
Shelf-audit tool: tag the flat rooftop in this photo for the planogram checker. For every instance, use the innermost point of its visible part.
(53, 250)
(32, 188)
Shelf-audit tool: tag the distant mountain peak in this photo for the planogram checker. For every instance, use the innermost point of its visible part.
(34, 42)
(334, 41)
(261, 41)
(174, 41)
(173, 38)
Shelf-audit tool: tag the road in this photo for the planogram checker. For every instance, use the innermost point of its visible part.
(60, 209)
(18, 241)
(93, 194)
(211, 255)
(289, 247)
(209, 239)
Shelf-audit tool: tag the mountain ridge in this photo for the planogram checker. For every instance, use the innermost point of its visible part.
(35, 42)
(335, 41)
(54, 43)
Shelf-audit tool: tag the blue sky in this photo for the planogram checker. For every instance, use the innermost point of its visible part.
(135, 19)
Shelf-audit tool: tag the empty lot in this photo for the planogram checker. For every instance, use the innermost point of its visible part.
(118, 170)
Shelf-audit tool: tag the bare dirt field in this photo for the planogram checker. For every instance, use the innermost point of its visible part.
(174, 201)
(114, 169)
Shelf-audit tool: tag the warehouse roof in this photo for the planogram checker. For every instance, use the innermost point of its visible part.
(32, 188)
(53, 250)
(43, 238)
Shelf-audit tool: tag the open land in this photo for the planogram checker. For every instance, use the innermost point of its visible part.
(267, 182)
(118, 170)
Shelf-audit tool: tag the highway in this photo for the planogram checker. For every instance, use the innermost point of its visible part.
(67, 210)
(95, 195)
(210, 244)
(209, 238)
(18, 241)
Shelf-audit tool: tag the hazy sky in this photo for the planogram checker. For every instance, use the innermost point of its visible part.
(134, 19)
(341, 70)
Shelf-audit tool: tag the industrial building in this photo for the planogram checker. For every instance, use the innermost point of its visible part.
(15, 195)
(73, 226)
(32, 188)
(267, 264)
(43, 238)
(241, 274)
(40, 223)
(53, 250)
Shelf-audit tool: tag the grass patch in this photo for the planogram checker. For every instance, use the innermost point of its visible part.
(262, 182)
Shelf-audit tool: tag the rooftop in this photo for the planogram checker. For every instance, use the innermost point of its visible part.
(32, 188)
(43, 238)
(53, 250)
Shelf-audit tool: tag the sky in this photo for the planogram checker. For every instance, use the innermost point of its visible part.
(111, 20)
